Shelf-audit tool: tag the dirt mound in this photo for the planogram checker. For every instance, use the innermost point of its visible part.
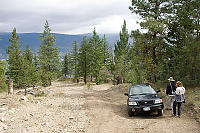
(192, 104)
(120, 88)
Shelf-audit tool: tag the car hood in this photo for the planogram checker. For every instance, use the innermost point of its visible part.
(143, 97)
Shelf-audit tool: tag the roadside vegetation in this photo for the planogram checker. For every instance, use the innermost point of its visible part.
(3, 85)
(40, 94)
(192, 104)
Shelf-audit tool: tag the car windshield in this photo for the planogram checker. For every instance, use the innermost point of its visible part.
(141, 89)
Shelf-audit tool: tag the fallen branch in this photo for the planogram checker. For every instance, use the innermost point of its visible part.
(29, 90)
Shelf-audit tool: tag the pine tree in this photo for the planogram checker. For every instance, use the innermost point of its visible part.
(75, 60)
(71, 69)
(3, 69)
(15, 61)
(136, 73)
(121, 54)
(36, 78)
(27, 63)
(49, 59)
(2, 72)
(183, 37)
(172, 34)
(106, 51)
(151, 44)
(84, 59)
(105, 72)
(66, 65)
(93, 41)
(30, 73)
(96, 57)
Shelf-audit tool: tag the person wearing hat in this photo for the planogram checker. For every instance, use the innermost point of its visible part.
(171, 87)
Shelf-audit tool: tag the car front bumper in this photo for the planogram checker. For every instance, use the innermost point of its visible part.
(145, 108)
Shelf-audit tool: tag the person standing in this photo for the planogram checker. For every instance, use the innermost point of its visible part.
(171, 87)
(179, 98)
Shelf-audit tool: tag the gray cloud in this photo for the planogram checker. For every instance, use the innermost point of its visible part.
(66, 16)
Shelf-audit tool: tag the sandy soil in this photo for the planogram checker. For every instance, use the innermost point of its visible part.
(72, 108)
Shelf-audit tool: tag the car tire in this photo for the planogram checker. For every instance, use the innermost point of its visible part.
(160, 112)
(130, 112)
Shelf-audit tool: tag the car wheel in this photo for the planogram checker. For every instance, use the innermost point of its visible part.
(160, 112)
(130, 112)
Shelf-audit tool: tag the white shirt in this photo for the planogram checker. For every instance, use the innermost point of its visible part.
(180, 90)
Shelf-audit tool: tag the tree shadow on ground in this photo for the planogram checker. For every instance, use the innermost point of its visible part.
(116, 102)
(113, 100)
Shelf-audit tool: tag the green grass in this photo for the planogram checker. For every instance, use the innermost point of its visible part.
(3, 87)
(40, 94)
(89, 85)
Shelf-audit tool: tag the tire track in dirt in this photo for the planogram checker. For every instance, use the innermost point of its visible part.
(107, 114)
(73, 108)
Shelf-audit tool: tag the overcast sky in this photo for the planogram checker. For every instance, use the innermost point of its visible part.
(66, 16)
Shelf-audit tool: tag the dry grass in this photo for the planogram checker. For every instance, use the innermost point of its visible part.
(192, 105)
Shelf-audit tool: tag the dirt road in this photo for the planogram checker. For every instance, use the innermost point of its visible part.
(72, 108)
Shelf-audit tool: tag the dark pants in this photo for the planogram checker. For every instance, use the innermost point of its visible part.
(175, 103)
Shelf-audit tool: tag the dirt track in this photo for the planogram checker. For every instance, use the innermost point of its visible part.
(72, 108)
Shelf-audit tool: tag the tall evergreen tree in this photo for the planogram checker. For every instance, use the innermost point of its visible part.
(2, 72)
(84, 59)
(75, 60)
(71, 68)
(95, 55)
(94, 58)
(172, 34)
(30, 73)
(3, 69)
(48, 56)
(66, 65)
(151, 44)
(106, 57)
(15, 61)
(121, 53)
(36, 77)
(184, 39)
(106, 51)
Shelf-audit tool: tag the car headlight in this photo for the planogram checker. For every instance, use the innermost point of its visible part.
(132, 103)
(158, 101)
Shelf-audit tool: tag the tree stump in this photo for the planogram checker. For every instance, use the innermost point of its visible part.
(10, 87)
(119, 79)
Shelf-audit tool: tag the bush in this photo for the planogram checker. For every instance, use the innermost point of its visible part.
(3, 87)
(104, 76)
(40, 94)
(3, 67)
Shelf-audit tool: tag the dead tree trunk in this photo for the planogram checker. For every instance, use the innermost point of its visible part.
(10, 87)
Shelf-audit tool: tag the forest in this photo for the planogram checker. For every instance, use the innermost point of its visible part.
(168, 44)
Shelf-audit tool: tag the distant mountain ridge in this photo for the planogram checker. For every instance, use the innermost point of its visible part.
(63, 41)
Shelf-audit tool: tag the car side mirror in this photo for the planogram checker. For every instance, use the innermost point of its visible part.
(157, 91)
(126, 94)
